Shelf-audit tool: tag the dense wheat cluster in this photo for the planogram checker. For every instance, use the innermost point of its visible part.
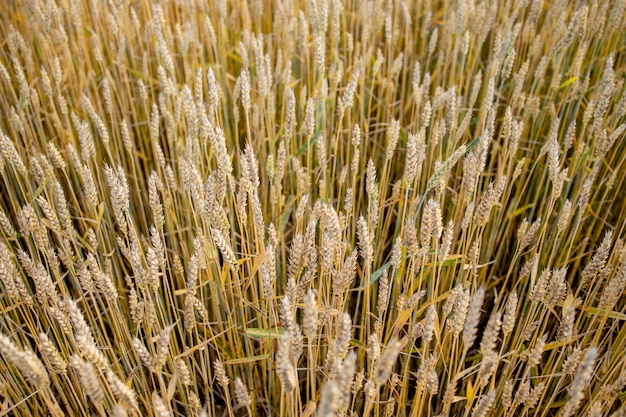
(313, 208)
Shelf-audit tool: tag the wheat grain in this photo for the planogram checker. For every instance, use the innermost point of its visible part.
(318, 161)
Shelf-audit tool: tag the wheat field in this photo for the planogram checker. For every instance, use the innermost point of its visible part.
(313, 208)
